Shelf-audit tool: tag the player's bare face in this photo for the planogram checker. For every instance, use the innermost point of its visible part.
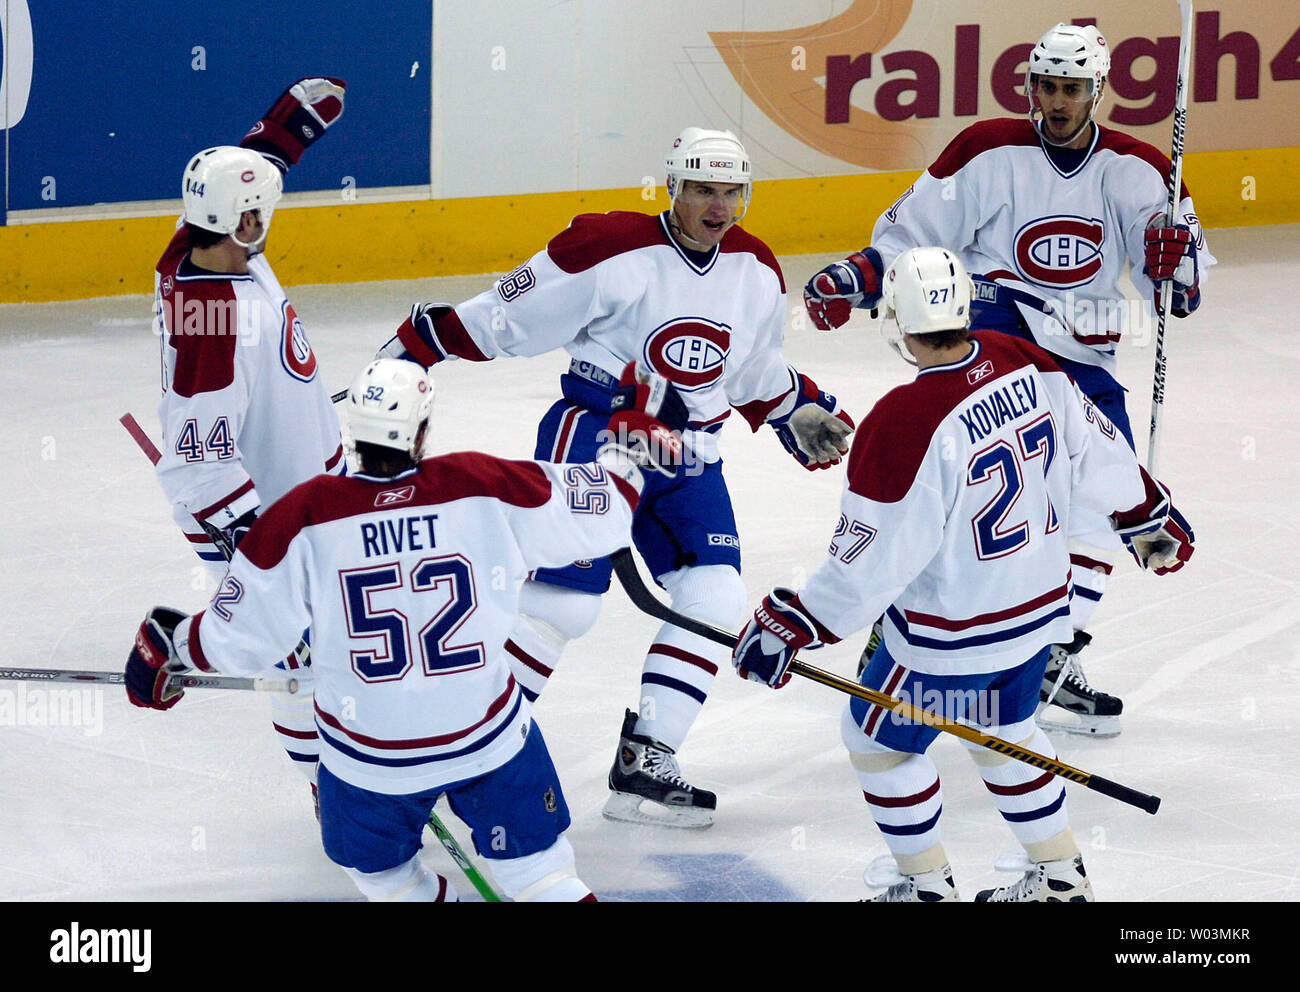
(706, 211)
(1066, 105)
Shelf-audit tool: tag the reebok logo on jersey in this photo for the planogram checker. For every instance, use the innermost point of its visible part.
(1061, 251)
(392, 497)
(981, 371)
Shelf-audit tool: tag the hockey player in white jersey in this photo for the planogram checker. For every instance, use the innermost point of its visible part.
(960, 489)
(245, 415)
(395, 569)
(1046, 213)
(701, 302)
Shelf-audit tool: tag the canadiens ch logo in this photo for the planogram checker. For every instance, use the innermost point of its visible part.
(690, 352)
(295, 350)
(1062, 251)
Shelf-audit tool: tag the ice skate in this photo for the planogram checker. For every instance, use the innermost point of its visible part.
(1045, 881)
(928, 886)
(647, 786)
(1068, 703)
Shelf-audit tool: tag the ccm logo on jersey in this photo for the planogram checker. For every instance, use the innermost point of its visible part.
(295, 350)
(724, 540)
(690, 352)
(391, 497)
(1061, 251)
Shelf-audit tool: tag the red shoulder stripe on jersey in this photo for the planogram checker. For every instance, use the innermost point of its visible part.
(332, 461)
(202, 324)
(225, 501)
(438, 740)
(979, 138)
(1125, 144)
(890, 445)
(176, 249)
(445, 479)
(628, 490)
(196, 646)
(739, 240)
(453, 336)
(594, 238)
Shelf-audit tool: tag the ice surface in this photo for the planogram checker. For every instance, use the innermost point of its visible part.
(201, 804)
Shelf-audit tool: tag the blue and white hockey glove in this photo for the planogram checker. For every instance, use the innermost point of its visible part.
(1171, 254)
(297, 120)
(840, 287)
(1156, 534)
(771, 639)
(814, 430)
(153, 661)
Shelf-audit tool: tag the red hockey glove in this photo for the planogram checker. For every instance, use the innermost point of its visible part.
(842, 286)
(769, 642)
(153, 661)
(298, 119)
(1171, 254)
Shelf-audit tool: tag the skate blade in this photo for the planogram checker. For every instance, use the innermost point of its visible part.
(1055, 718)
(627, 808)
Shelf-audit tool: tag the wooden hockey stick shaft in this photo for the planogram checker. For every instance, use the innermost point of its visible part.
(118, 678)
(462, 860)
(646, 601)
(1171, 215)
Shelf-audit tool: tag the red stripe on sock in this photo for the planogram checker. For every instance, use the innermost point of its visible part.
(1022, 789)
(893, 802)
(668, 651)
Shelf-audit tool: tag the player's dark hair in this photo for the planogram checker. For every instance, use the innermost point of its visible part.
(946, 339)
(382, 461)
(201, 237)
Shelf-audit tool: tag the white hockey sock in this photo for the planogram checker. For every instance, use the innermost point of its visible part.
(409, 882)
(294, 720)
(549, 617)
(547, 876)
(1031, 800)
(680, 667)
(905, 802)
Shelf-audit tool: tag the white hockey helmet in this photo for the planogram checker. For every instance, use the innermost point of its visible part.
(709, 156)
(1073, 52)
(926, 290)
(388, 403)
(221, 183)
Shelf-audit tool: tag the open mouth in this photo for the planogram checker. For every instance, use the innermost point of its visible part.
(715, 225)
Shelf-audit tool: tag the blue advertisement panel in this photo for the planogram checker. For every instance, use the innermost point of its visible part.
(119, 96)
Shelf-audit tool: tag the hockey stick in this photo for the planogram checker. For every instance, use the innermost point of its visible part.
(186, 681)
(119, 678)
(462, 860)
(646, 601)
(1171, 214)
